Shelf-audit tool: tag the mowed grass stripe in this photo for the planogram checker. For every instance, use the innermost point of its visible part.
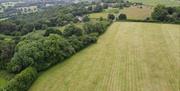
(128, 57)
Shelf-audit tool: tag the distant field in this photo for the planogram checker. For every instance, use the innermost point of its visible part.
(137, 13)
(133, 12)
(155, 2)
(128, 57)
(104, 14)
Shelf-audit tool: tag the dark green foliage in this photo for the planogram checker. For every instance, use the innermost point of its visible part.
(6, 52)
(160, 13)
(22, 81)
(72, 30)
(40, 53)
(166, 14)
(89, 39)
(44, 52)
(52, 31)
(86, 19)
(76, 43)
(7, 27)
(111, 17)
(122, 17)
(95, 27)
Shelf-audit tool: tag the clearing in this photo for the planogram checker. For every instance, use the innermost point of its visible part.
(138, 12)
(130, 56)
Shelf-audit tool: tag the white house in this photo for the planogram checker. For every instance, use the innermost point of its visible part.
(27, 9)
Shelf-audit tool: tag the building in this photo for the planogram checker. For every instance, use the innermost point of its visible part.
(27, 9)
(8, 4)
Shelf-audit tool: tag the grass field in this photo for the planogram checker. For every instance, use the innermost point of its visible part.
(137, 13)
(104, 14)
(128, 57)
(133, 12)
(155, 2)
(2, 81)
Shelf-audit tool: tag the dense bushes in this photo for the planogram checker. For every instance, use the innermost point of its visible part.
(166, 14)
(22, 81)
(96, 27)
(72, 30)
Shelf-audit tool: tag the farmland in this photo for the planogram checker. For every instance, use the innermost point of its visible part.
(128, 57)
(133, 12)
(155, 2)
(137, 13)
(104, 14)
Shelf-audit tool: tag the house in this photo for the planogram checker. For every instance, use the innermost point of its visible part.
(27, 9)
(8, 4)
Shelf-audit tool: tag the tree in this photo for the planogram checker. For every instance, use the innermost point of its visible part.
(72, 30)
(160, 13)
(122, 17)
(86, 19)
(111, 17)
(52, 31)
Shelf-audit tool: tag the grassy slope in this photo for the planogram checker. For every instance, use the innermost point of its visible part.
(128, 57)
(155, 2)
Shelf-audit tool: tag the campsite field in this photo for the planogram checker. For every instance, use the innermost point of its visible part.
(155, 2)
(133, 12)
(130, 56)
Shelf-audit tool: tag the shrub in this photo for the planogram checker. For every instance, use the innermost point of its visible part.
(52, 31)
(111, 17)
(71, 30)
(122, 17)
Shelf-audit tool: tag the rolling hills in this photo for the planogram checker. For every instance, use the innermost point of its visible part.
(128, 57)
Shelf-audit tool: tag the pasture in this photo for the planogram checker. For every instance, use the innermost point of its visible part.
(104, 14)
(155, 2)
(137, 12)
(128, 57)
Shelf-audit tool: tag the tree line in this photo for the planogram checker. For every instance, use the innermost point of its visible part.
(35, 55)
(166, 14)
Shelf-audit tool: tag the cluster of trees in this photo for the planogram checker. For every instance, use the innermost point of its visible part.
(166, 14)
(55, 46)
(119, 17)
(15, 28)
